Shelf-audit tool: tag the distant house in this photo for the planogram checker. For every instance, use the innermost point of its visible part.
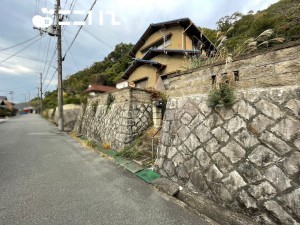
(95, 89)
(6, 107)
(163, 49)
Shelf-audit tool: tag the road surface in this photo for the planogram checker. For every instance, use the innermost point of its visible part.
(48, 178)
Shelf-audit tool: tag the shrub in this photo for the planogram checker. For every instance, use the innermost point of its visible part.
(222, 95)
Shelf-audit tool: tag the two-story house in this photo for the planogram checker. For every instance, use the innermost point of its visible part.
(163, 49)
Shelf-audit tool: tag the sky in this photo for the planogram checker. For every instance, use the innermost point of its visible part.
(112, 22)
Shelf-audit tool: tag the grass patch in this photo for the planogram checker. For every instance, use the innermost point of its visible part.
(130, 153)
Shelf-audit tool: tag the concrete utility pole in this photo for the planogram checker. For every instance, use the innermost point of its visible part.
(59, 70)
(11, 96)
(41, 90)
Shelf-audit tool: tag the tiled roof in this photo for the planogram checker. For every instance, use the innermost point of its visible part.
(99, 88)
(138, 62)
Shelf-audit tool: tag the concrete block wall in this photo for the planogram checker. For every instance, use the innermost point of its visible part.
(246, 158)
(276, 67)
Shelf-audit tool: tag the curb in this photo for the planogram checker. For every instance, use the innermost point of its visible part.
(201, 204)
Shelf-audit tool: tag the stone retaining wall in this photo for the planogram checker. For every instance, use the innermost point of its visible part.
(128, 117)
(246, 158)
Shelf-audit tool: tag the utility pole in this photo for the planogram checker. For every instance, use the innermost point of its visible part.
(11, 96)
(41, 90)
(59, 70)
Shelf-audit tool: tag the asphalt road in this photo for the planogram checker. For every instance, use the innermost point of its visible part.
(48, 178)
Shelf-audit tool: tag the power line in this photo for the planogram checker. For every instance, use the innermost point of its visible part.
(45, 89)
(25, 57)
(78, 30)
(99, 39)
(47, 54)
(52, 58)
(21, 43)
(27, 46)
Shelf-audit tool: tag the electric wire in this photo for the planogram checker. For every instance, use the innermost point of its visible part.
(98, 39)
(50, 63)
(47, 54)
(21, 43)
(25, 57)
(78, 31)
(27, 46)
(45, 89)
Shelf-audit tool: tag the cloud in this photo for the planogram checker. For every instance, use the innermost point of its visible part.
(15, 70)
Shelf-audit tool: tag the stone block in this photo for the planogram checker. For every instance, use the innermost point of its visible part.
(198, 181)
(225, 113)
(220, 134)
(191, 164)
(262, 191)
(182, 173)
(169, 115)
(251, 96)
(294, 106)
(171, 152)
(222, 163)
(276, 210)
(287, 66)
(246, 200)
(269, 109)
(297, 143)
(286, 54)
(291, 164)
(292, 201)
(246, 139)
(183, 133)
(196, 121)
(186, 119)
(287, 128)
(275, 143)
(169, 168)
(249, 172)
(178, 159)
(191, 108)
(263, 156)
(213, 121)
(234, 152)
(260, 123)
(278, 178)
(234, 125)
(203, 133)
(220, 190)
(278, 95)
(213, 174)
(244, 109)
(204, 108)
(192, 143)
(203, 159)
(234, 181)
(212, 146)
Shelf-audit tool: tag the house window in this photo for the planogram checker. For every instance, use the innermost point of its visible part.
(166, 44)
(142, 83)
(161, 43)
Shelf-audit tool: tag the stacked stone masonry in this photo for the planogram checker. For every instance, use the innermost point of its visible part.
(246, 158)
(128, 117)
(276, 67)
